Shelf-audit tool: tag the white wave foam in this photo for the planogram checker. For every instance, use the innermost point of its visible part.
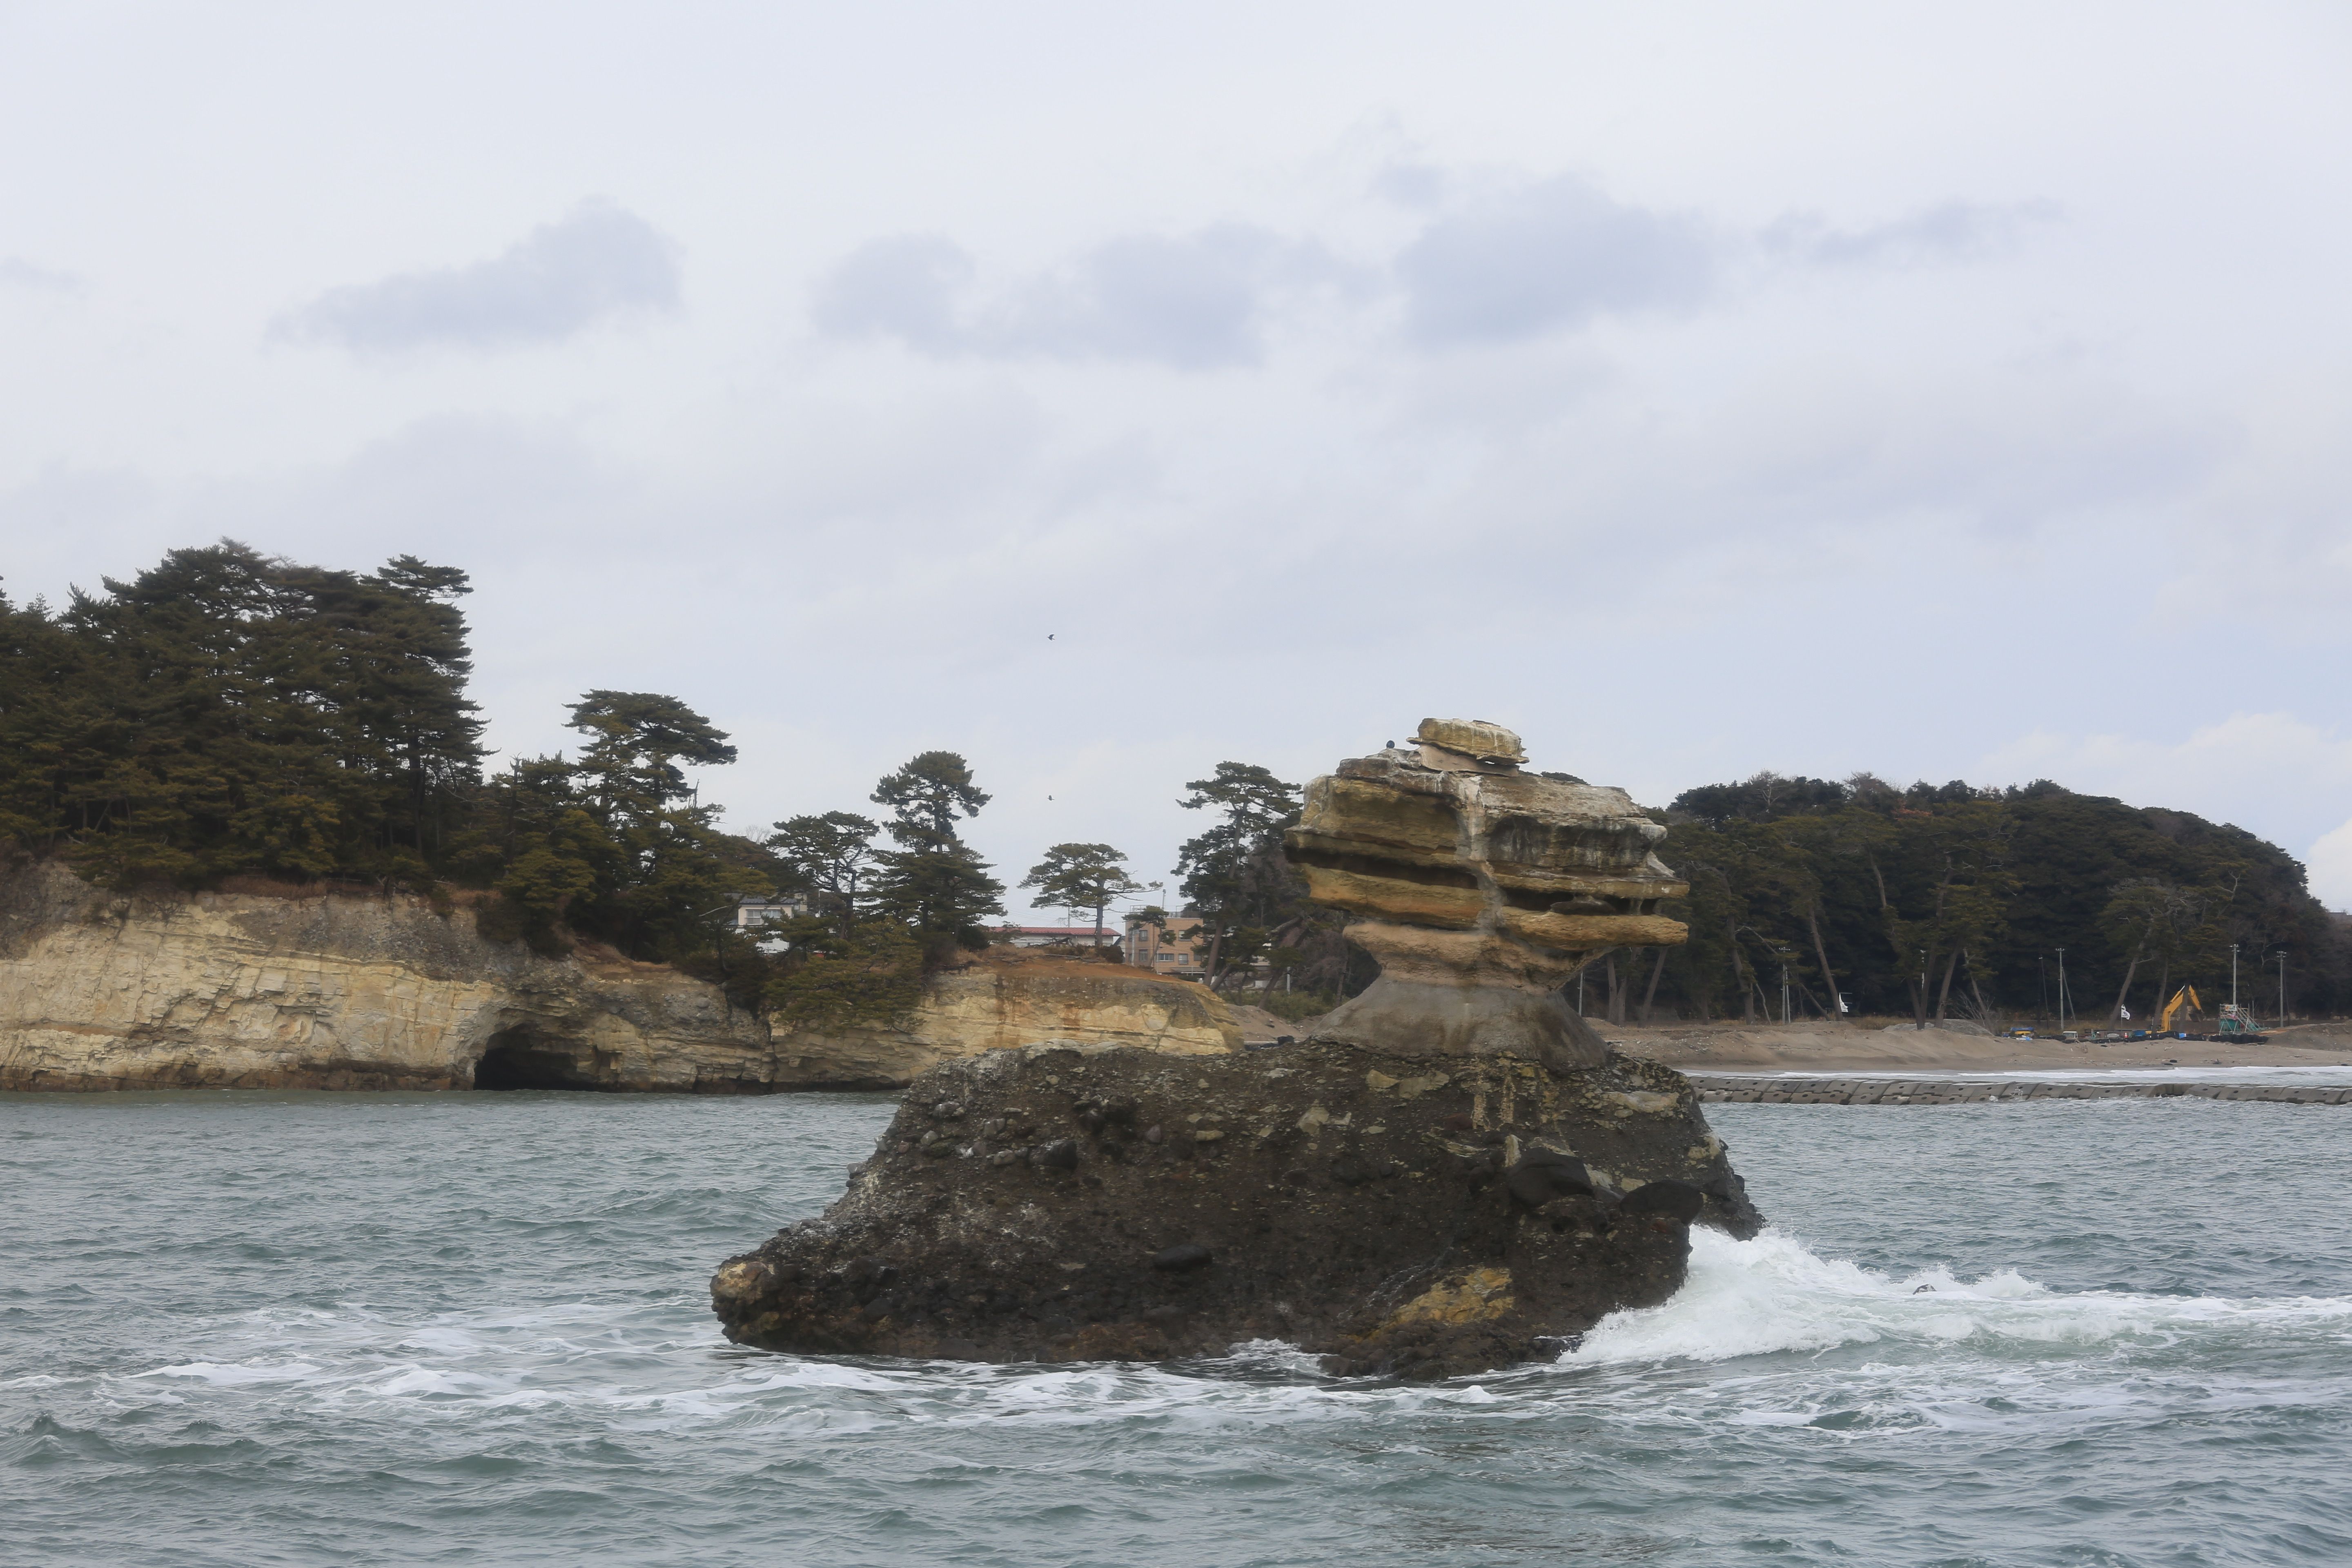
(1774, 1294)
(230, 1374)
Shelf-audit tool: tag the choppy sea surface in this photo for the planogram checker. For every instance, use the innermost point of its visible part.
(307, 1329)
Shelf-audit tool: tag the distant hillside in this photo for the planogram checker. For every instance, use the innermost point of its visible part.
(1955, 900)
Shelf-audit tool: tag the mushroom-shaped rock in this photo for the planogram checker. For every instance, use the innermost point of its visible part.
(1480, 887)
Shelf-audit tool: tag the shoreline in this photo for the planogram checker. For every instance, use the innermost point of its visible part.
(1983, 1089)
(1818, 1047)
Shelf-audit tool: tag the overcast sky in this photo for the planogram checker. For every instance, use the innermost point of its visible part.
(1950, 392)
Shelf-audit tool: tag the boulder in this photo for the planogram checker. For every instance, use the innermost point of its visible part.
(1064, 1203)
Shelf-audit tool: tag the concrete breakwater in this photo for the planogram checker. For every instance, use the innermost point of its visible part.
(1779, 1089)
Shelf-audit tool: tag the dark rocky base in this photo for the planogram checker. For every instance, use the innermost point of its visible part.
(1394, 1216)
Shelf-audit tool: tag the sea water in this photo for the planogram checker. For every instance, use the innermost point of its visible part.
(250, 1329)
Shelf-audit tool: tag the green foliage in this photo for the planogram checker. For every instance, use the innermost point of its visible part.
(1944, 900)
(1296, 1007)
(1082, 877)
(832, 855)
(230, 713)
(1235, 876)
(873, 977)
(945, 895)
(927, 795)
(934, 883)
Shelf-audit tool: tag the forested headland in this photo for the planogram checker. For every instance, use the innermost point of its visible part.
(230, 715)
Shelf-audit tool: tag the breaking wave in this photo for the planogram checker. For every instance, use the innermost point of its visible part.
(1774, 1294)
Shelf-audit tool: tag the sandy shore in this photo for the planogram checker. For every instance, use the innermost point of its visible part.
(1869, 1047)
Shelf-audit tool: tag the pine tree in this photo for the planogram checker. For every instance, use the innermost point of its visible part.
(934, 882)
(1081, 876)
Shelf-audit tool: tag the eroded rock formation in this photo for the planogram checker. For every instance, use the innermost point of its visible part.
(335, 991)
(1454, 1174)
(1481, 888)
(1058, 1203)
(1016, 998)
(340, 990)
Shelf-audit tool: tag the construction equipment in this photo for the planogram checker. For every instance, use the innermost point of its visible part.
(2188, 995)
(2238, 1023)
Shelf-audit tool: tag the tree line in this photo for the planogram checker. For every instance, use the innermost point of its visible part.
(1957, 900)
(227, 713)
(1814, 897)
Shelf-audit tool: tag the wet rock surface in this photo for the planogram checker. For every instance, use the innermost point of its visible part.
(1390, 1213)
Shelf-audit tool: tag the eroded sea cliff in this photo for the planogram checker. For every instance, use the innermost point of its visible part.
(341, 989)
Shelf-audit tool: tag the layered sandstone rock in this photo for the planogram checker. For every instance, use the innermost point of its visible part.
(335, 991)
(354, 991)
(1010, 998)
(1480, 887)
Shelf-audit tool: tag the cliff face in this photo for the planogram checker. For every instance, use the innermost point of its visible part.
(1015, 999)
(335, 991)
(345, 991)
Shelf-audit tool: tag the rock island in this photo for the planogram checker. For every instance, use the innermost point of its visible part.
(1454, 1173)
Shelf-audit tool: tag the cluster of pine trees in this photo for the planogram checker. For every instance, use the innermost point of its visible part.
(1952, 900)
(227, 713)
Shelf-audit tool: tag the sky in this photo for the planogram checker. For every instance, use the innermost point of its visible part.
(1106, 392)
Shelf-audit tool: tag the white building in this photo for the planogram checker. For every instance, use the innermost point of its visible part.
(752, 915)
(1057, 936)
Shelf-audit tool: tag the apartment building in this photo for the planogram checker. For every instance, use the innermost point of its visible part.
(1173, 947)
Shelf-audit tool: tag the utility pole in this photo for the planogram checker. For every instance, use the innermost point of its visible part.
(2233, 974)
(2281, 956)
(2062, 990)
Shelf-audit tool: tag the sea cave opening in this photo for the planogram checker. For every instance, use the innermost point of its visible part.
(515, 1059)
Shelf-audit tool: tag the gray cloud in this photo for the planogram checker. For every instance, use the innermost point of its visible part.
(1411, 185)
(1195, 301)
(594, 264)
(1549, 257)
(1955, 231)
(1511, 267)
(904, 286)
(22, 274)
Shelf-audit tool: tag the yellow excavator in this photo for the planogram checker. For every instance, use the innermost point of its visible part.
(2186, 996)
